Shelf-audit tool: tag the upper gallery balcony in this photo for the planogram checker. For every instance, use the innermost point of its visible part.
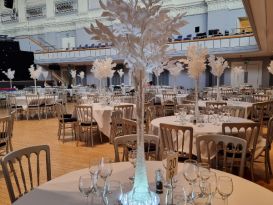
(219, 45)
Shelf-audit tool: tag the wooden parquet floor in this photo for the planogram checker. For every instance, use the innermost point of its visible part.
(67, 157)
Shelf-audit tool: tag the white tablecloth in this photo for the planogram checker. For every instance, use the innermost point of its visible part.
(246, 105)
(64, 190)
(102, 115)
(197, 130)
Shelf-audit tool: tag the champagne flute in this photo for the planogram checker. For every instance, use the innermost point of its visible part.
(113, 193)
(225, 187)
(105, 170)
(190, 172)
(132, 155)
(85, 185)
(213, 186)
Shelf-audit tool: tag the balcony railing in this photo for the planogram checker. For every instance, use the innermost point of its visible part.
(219, 45)
(9, 17)
(36, 12)
(64, 7)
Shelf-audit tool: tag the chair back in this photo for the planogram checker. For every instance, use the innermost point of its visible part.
(269, 138)
(11, 102)
(151, 143)
(116, 128)
(127, 110)
(84, 114)
(258, 111)
(222, 152)
(235, 111)
(33, 100)
(177, 138)
(215, 106)
(93, 98)
(248, 131)
(22, 171)
(260, 98)
(5, 123)
(128, 126)
(60, 110)
(49, 99)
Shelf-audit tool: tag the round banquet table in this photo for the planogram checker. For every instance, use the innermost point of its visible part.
(64, 189)
(206, 128)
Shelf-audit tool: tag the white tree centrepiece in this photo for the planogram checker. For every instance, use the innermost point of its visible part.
(45, 75)
(10, 75)
(120, 73)
(218, 66)
(35, 74)
(140, 36)
(103, 68)
(81, 75)
(157, 71)
(73, 74)
(174, 67)
(237, 76)
(270, 67)
(196, 64)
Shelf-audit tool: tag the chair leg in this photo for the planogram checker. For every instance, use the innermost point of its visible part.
(251, 170)
(268, 161)
(63, 131)
(39, 113)
(91, 136)
(266, 169)
(10, 145)
(59, 131)
(27, 114)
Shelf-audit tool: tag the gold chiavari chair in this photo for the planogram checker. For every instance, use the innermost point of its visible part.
(248, 131)
(22, 170)
(222, 152)
(178, 139)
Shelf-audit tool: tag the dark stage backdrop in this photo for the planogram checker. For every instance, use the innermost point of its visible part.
(12, 57)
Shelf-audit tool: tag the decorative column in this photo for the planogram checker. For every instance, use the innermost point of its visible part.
(22, 10)
(50, 8)
(82, 6)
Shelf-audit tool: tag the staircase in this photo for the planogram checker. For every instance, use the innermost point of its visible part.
(45, 46)
(59, 78)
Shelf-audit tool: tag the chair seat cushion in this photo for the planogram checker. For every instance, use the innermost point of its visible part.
(88, 123)
(67, 115)
(72, 119)
(17, 106)
(3, 144)
(184, 156)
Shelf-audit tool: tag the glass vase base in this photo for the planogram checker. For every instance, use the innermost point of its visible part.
(143, 198)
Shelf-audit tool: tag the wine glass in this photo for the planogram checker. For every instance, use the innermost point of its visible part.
(105, 170)
(132, 155)
(94, 172)
(190, 172)
(112, 193)
(85, 185)
(225, 187)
